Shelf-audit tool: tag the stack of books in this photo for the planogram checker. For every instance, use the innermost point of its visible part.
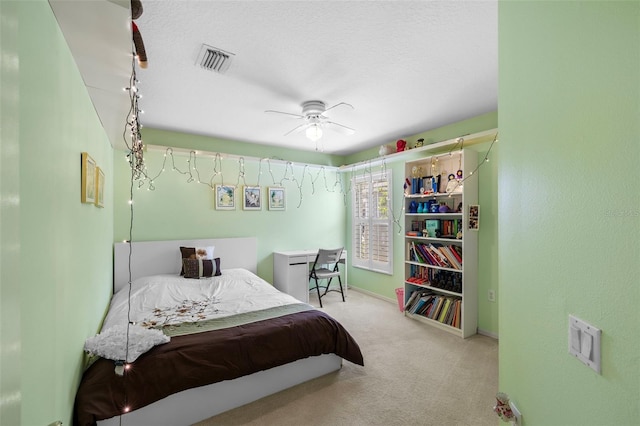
(444, 309)
(435, 254)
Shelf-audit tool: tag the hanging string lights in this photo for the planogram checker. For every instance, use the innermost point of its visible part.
(193, 173)
(135, 157)
(132, 135)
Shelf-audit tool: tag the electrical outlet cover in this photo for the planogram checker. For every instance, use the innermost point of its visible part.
(517, 417)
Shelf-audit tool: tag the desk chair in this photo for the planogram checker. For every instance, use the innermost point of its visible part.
(326, 267)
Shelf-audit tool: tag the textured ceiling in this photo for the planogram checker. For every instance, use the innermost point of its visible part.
(405, 66)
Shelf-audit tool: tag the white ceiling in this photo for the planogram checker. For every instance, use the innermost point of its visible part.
(405, 66)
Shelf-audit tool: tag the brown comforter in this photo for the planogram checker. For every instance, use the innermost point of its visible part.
(200, 359)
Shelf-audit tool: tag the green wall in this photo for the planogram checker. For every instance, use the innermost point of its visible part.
(176, 209)
(569, 231)
(56, 252)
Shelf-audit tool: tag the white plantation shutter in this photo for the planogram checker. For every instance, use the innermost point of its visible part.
(372, 222)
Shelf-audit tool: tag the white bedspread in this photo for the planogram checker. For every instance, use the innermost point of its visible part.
(171, 299)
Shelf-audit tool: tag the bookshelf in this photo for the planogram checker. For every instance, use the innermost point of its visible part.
(441, 249)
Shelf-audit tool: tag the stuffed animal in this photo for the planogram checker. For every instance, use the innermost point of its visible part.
(502, 408)
(401, 145)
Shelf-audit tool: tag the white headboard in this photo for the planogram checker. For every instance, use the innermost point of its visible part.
(163, 257)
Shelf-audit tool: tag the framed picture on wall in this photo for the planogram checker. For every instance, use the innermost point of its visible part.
(276, 198)
(474, 217)
(99, 187)
(88, 180)
(225, 197)
(252, 198)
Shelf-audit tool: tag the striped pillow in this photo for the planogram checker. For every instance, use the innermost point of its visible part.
(201, 268)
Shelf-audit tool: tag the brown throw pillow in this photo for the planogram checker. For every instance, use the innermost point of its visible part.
(201, 268)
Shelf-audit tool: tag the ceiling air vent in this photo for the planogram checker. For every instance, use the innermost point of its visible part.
(213, 59)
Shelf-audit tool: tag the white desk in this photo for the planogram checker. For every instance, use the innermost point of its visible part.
(291, 272)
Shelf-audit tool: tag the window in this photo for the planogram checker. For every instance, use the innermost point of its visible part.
(372, 222)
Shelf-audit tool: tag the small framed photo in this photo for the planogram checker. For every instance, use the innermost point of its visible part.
(225, 197)
(99, 187)
(474, 217)
(88, 181)
(252, 198)
(276, 198)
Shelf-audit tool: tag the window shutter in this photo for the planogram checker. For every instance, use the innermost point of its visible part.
(372, 222)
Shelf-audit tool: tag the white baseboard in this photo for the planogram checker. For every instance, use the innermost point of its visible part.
(372, 294)
(488, 334)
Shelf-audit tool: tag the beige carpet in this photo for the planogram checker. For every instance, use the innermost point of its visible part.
(414, 374)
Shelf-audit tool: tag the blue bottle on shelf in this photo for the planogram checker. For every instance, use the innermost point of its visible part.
(413, 207)
(428, 204)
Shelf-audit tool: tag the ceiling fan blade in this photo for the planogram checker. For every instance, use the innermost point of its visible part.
(270, 111)
(337, 105)
(339, 127)
(297, 129)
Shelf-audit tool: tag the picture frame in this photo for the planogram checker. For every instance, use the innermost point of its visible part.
(88, 179)
(474, 217)
(225, 197)
(430, 184)
(99, 187)
(252, 198)
(276, 198)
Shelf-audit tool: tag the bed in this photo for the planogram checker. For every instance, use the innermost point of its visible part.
(237, 339)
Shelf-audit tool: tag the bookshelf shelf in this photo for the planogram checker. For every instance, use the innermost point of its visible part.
(426, 265)
(445, 295)
(436, 289)
(449, 215)
(433, 194)
(436, 239)
(436, 324)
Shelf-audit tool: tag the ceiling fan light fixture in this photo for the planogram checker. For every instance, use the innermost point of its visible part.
(314, 132)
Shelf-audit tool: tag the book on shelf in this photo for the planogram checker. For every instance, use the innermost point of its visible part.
(441, 308)
(425, 302)
(440, 258)
(442, 228)
(433, 313)
(447, 252)
(457, 252)
(411, 299)
(444, 310)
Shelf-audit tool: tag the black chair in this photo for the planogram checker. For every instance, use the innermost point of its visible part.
(326, 267)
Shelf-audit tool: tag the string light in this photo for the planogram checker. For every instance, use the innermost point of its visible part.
(135, 158)
(193, 173)
(131, 134)
(241, 172)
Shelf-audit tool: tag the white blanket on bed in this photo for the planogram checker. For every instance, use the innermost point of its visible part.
(170, 299)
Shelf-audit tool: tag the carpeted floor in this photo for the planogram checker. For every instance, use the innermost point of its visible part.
(414, 374)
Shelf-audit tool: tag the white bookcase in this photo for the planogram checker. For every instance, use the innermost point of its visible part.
(432, 267)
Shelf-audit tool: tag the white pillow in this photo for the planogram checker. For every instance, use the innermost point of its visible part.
(111, 343)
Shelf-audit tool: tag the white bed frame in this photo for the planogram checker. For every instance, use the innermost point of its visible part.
(194, 405)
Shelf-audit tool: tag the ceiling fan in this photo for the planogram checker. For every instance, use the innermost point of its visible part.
(315, 120)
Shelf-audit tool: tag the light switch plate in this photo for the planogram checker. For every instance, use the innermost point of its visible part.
(584, 342)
